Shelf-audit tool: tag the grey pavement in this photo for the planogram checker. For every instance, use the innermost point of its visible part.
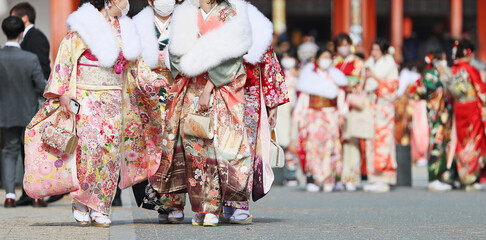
(286, 213)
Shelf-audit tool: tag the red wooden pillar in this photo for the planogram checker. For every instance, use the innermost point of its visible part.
(456, 18)
(397, 24)
(60, 10)
(481, 30)
(368, 8)
(341, 17)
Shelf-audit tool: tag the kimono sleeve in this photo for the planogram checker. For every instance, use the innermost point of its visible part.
(273, 81)
(58, 83)
(144, 78)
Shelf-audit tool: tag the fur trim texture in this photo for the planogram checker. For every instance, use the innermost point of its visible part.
(130, 39)
(96, 32)
(144, 21)
(310, 82)
(262, 35)
(198, 55)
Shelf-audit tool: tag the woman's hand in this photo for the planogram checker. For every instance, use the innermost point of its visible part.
(65, 103)
(272, 117)
(370, 74)
(160, 83)
(205, 96)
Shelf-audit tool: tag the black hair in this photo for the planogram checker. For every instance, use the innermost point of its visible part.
(383, 44)
(340, 38)
(98, 4)
(437, 54)
(23, 9)
(323, 50)
(462, 46)
(13, 26)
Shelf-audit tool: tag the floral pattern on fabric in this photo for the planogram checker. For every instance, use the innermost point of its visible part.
(439, 115)
(107, 113)
(270, 75)
(210, 170)
(322, 145)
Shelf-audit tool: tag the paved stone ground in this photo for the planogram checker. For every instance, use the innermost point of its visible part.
(286, 213)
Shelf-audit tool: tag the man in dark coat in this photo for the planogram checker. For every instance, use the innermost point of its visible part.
(34, 40)
(21, 81)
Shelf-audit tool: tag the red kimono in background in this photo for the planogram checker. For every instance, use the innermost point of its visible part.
(470, 118)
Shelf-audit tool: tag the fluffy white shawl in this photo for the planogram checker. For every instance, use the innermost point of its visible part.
(98, 36)
(198, 55)
(144, 21)
(262, 35)
(310, 82)
(384, 68)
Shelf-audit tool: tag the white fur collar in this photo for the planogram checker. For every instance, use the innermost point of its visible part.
(96, 33)
(144, 22)
(312, 83)
(198, 55)
(262, 34)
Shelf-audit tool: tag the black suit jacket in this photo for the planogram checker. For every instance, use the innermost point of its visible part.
(36, 42)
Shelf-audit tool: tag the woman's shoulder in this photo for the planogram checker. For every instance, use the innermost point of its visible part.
(226, 11)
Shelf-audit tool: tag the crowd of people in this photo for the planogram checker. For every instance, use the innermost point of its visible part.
(182, 99)
(350, 114)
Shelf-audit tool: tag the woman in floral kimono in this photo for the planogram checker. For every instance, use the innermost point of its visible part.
(469, 93)
(382, 85)
(321, 81)
(97, 66)
(352, 67)
(206, 49)
(439, 114)
(153, 24)
(264, 76)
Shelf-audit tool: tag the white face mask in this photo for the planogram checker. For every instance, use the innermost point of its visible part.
(124, 11)
(443, 63)
(344, 51)
(288, 63)
(324, 64)
(164, 8)
(195, 3)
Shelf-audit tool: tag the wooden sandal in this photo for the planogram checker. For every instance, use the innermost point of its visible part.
(246, 221)
(82, 218)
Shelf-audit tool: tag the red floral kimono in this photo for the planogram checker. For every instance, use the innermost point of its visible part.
(210, 170)
(470, 117)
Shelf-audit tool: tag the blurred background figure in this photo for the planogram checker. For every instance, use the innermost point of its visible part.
(381, 84)
(22, 82)
(353, 148)
(321, 81)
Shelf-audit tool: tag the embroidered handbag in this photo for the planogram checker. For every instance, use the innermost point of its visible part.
(199, 126)
(48, 171)
(277, 156)
(59, 138)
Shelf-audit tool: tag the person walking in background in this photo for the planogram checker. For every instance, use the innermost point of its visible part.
(352, 67)
(469, 93)
(34, 39)
(381, 84)
(321, 81)
(291, 72)
(22, 82)
(432, 88)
